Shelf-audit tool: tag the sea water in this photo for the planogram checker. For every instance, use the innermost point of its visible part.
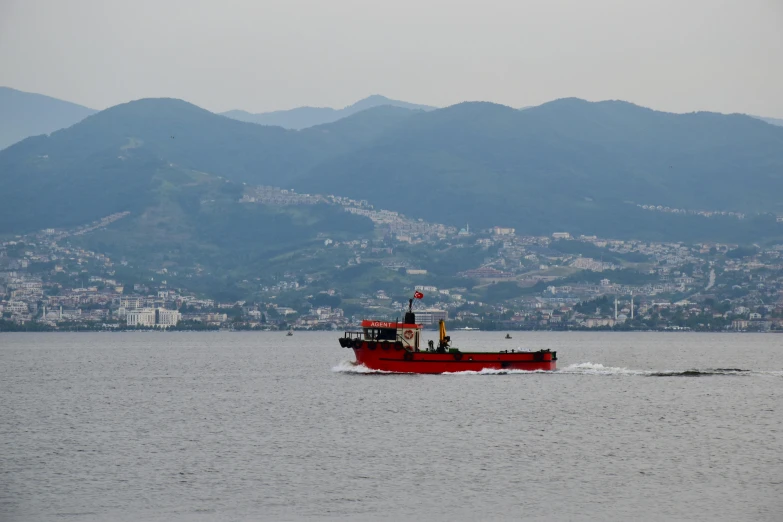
(260, 426)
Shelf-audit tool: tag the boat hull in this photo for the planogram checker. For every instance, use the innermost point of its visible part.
(390, 357)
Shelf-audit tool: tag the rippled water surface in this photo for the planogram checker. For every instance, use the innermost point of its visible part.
(260, 426)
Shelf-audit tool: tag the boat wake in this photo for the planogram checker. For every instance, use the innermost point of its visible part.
(491, 371)
(360, 369)
(587, 368)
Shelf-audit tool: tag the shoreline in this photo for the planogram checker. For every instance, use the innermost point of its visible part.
(282, 332)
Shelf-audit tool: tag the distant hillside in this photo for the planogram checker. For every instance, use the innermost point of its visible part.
(109, 161)
(303, 117)
(771, 121)
(24, 114)
(569, 165)
(192, 219)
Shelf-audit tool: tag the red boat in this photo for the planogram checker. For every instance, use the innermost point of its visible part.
(396, 347)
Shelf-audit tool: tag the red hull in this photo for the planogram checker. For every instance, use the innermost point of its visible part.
(391, 357)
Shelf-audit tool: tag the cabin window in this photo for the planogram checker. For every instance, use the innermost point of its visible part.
(380, 334)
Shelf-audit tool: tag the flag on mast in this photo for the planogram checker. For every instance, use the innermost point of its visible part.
(417, 295)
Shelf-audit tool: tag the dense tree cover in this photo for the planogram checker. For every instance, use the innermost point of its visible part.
(231, 241)
(741, 252)
(325, 300)
(605, 305)
(112, 161)
(446, 260)
(508, 290)
(184, 326)
(571, 165)
(6, 325)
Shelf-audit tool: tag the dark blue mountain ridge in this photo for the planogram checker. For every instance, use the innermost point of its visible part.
(566, 165)
(303, 117)
(24, 114)
(110, 161)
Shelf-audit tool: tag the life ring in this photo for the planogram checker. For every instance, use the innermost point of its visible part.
(408, 356)
(408, 334)
(457, 356)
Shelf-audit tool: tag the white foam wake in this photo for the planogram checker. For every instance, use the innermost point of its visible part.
(494, 371)
(586, 368)
(589, 368)
(353, 367)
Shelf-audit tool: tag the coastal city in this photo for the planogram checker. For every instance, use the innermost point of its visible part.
(517, 282)
(308, 260)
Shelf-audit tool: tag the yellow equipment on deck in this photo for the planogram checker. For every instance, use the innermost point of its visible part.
(443, 344)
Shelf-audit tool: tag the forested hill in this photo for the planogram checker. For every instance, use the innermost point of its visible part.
(567, 165)
(109, 161)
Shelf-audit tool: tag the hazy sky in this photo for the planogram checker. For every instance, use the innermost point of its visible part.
(260, 55)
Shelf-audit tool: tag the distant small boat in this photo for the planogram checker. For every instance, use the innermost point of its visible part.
(290, 333)
(508, 336)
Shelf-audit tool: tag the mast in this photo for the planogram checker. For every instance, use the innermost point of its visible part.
(410, 317)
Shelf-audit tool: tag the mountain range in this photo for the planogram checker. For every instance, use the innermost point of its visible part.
(110, 160)
(771, 121)
(303, 117)
(568, 165)
(24, 114)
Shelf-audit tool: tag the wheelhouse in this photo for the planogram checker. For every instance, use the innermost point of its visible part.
(407, 334)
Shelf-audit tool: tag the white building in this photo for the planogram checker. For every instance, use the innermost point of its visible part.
(503, 231)
(159, 317)
(593, 322)
(140, 317)
(165, 318)
(16, 307)
(431, 316)
(131, 303)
